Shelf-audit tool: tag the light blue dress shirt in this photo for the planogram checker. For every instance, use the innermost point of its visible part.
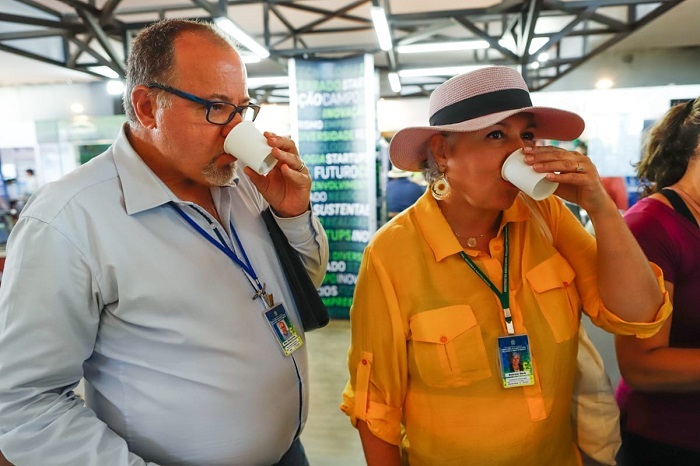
(104, 280)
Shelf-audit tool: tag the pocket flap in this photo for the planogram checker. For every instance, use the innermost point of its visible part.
(554, 272)
(442, 325)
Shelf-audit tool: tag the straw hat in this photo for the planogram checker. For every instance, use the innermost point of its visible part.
(474, 101)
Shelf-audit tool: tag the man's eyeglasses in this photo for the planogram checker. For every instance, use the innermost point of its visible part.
(218, 112)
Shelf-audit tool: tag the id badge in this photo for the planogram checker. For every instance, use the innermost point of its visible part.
(516, 361)
(283, 330)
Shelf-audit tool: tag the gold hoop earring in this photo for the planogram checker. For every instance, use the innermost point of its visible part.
(440, 188)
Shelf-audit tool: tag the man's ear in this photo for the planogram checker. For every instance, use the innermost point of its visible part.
(437, 147)
(144, 103)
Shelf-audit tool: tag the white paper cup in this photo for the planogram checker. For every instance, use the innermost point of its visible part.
(525, 178)
(249, 146)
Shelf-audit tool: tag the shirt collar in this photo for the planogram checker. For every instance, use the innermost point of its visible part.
(437, 232)
(142, 188)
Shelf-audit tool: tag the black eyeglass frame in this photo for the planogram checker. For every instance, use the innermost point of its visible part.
(208, 104)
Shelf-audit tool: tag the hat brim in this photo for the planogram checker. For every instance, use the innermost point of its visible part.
(407, 149)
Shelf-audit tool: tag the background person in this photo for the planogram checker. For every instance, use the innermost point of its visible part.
(123, 272)
(401, 191)
(31, 183)
(659, 395)
(428, 330)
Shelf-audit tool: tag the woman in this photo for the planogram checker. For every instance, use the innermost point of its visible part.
(428, 328)
(515, 363)
(659, 396)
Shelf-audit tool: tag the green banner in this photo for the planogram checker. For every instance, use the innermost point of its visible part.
(333, 122)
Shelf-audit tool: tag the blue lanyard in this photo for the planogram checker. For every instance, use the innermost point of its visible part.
(503, 297)
(246, 266)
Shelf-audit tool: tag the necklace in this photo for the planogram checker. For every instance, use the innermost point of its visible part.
(471, 240)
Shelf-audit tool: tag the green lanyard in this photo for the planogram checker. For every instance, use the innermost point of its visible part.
(504, 297)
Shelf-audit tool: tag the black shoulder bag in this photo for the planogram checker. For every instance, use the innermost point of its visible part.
(312, 311)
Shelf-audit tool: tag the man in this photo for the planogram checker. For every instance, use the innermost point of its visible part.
(30, 183)
(149, 272)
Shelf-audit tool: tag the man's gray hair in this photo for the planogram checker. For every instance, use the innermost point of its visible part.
(152, 57)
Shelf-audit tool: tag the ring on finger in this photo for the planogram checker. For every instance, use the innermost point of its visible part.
(301, 167)
(579, 168)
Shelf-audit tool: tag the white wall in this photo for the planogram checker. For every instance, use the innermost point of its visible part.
(614, 118)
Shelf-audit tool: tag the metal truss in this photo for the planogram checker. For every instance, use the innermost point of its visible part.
(85, 34)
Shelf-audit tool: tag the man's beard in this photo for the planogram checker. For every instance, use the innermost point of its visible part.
(220, 176)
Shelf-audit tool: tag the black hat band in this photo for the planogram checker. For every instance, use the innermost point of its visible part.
(481, 105)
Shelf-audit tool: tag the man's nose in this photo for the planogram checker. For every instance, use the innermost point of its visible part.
(225, 129)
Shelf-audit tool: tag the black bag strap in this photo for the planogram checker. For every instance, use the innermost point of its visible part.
(678, 204)
(312, 311)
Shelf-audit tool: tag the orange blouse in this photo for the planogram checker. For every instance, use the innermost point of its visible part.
(423, 359)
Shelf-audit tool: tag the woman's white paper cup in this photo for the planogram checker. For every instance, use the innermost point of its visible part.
(249, 146)
(525, 178)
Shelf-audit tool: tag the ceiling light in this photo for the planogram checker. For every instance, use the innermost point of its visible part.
(77, 107)
(543, 57)
(260, 81)
(395, 82)
(105, 71)
(442, 71)
(115, 87)
(228, 26)
(381, 27)
(604, 83)
(443, 46)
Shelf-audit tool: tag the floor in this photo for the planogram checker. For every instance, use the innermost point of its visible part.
(328, 436)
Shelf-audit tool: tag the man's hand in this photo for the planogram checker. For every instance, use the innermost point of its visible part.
(287, 187)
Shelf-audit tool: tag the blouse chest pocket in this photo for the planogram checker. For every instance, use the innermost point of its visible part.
(552, 282)
(448, 347)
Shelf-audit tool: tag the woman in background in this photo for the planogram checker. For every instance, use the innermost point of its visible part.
(659, 395)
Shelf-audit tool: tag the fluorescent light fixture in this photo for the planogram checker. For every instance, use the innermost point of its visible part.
(105, 71)
(381, 27)
(260, 81)
(395, 82)
(115, 87)
(543, 57)
(248, 59)
(443, 46)
(241, 36)
(441, 71)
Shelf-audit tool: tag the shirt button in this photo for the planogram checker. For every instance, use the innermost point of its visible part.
(364, 362)
(443, 339)
(565, 284)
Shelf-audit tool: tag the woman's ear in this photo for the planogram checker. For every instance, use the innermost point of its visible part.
(438, 148)
(144, 103)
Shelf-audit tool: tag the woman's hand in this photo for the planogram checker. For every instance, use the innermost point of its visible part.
(287, 187)
(576, 174)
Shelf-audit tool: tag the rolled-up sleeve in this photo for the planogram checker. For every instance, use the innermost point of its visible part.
(612, 323)
(377, 359)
